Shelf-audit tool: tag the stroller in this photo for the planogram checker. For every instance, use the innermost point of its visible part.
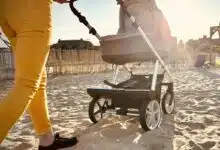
(140, 95)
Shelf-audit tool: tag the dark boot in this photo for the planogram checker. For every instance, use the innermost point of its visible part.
(59, 143)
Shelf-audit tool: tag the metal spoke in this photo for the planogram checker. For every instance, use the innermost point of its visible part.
(105, 103)
(102, 104)
(148, 112)
(168, 99)
(153, 120)
(149, 120)
(156, 111)
(101, 114)
(152, 107)
(99, 104)
(97, 112)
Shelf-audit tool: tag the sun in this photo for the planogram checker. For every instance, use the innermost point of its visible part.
(180, 15)
(178, 9)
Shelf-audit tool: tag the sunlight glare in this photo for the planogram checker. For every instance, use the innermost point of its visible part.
(183, 15)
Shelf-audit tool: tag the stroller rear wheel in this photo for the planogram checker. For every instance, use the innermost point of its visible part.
(98, 108)
(150, 114)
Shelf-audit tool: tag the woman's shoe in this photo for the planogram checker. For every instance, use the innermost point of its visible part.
(59, 143)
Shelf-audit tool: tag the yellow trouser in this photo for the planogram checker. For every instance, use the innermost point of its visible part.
(27, 24)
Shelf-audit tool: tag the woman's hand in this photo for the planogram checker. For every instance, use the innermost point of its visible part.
(61, 1)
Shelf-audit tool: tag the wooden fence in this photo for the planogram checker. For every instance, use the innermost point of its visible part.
(60, 62)
(77, 62)
(6, 64)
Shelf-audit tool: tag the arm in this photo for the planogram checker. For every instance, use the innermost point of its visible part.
(121, 21)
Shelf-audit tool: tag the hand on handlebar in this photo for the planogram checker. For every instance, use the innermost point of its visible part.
(61, 1)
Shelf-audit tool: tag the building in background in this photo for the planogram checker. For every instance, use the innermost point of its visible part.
(74, 45)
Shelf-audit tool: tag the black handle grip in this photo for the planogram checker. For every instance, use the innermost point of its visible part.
(82, 19)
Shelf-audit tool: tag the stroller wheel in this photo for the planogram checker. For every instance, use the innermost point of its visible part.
(168, 103)
(150, 114)
(97, 109)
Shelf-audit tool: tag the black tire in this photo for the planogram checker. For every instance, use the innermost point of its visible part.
(92, 106)
(143, 115)
(168, 103)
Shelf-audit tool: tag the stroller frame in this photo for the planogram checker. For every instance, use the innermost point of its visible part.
(132, 93)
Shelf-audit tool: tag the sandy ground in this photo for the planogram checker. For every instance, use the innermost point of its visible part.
(194, 126)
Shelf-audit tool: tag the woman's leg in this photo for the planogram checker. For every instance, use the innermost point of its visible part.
(31, 23)
(31, 52)
(38, 111)
(38, 107)
(29, 63)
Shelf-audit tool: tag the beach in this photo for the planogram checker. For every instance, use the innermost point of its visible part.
(195, 125)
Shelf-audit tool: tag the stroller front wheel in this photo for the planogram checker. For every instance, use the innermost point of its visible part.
(150, 115)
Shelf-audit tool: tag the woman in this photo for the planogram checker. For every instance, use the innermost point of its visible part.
(141, 10)
(27, 24)
(151, 20)
(147, 15)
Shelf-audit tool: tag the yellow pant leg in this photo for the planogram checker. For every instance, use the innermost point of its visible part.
(38, 106)
(38, 109)
(31, 52)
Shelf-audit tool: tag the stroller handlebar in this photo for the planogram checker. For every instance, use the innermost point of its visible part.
(83, 20)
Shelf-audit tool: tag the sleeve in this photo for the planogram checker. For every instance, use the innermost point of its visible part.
(121, 21)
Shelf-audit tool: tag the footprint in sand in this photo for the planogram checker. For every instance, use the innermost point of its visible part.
(193, 132)
(208, 121)
(208, 144)
(178, 132)
(193, 125)
(195, 146)
(218, 132)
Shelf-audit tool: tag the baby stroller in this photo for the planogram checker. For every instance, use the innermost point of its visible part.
(140, 92)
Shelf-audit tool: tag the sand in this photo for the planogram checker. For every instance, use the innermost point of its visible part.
(194, 126)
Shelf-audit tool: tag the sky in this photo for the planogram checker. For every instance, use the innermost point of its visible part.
(188, 19)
